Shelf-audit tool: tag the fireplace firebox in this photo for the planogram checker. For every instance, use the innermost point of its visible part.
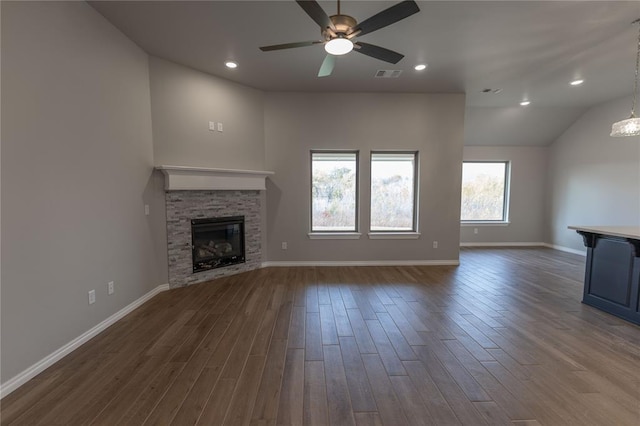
(217, 242)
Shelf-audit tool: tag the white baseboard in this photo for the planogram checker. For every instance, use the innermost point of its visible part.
(537, 244)
(15, 382)
(362, 263)
(553, 246)
(567, 249)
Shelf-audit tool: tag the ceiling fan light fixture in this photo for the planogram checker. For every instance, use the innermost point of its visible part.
(630, 126)
(338, 46)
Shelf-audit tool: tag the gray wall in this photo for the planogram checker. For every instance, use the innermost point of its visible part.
(501, 126)
(295, 123)
(528, 195)
(594, 178)
(183, 101)
(77, 162)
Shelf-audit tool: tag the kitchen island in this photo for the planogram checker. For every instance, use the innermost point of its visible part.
(612, 274)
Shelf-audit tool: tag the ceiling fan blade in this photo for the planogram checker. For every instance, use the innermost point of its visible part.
(378, 52)
(316, 13)
(290, 45)
(327, 66)
(388, 16)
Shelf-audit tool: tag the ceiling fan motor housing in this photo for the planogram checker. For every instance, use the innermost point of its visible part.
(343, 25)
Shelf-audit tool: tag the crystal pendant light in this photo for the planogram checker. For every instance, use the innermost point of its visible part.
(630, 126)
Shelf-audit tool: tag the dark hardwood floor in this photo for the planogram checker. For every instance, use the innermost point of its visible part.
(501, 339)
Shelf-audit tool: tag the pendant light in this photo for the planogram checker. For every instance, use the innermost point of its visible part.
(630, 126)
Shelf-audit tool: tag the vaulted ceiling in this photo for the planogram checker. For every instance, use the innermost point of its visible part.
(527, 49)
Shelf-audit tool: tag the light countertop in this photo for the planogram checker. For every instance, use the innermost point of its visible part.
(615, 231)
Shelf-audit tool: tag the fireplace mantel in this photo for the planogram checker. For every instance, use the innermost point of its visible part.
(197, 178)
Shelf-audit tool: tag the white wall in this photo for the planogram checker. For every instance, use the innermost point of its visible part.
(183, 101)
(296, 123)
(528, 187)
(594, 179)
(77, 160)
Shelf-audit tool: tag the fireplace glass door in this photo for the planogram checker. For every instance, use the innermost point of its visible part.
(217, 242)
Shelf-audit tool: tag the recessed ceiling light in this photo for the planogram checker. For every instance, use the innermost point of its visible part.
(231, 64)
(420, 67)
(576, 82)
(525, 103)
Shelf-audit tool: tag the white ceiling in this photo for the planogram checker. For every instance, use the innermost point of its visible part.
(529, 49)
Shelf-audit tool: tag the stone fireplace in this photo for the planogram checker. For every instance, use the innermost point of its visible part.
(214, 198)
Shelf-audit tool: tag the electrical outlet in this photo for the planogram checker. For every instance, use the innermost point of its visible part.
(435, 244)
(92, 297)
(111, 287)
(212, 126)
(220, 127)
(284, 245)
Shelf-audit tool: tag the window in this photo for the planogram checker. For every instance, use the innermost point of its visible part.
(334, 191)
(485, 190)
(393, 191)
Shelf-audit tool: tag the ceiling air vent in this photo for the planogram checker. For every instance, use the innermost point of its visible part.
(388, 73)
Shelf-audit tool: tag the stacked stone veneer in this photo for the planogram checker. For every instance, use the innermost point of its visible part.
(183, 206)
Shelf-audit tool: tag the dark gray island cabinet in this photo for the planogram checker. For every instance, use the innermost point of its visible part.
(612, 274)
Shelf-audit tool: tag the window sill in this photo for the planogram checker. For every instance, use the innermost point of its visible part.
(334, 235)
(410, 235)
(481, 223)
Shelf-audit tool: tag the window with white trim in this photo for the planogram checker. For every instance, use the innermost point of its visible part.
(485, 191)
(334, 191)
(393, 191)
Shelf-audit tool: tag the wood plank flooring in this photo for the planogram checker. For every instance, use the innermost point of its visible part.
(502, 339)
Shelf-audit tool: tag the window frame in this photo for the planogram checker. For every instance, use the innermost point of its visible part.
(505, 198)
(391, 233)
(338, 233)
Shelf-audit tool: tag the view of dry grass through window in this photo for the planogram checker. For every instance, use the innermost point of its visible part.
(392, 191)
(483, 191)
(333, 191)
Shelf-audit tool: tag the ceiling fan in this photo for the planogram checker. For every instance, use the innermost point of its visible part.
(339, 30)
